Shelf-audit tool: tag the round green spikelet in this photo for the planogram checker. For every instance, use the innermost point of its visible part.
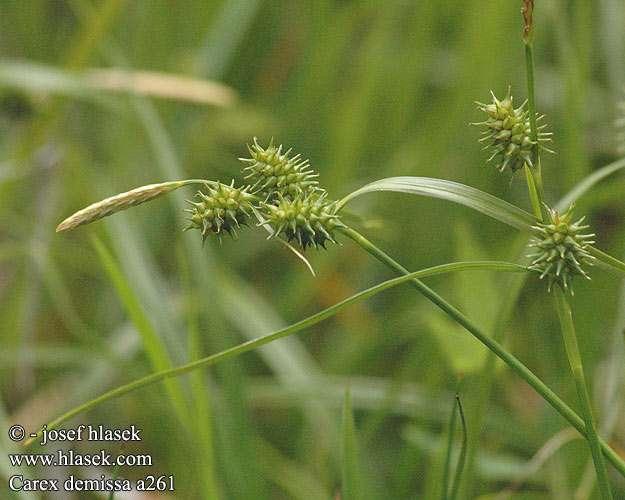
(507, 133)
(308, 220)
(224, 208)
(561, 249)
(272, 171)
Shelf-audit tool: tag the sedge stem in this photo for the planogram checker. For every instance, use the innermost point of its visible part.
(536, 171)
(577, 370)
(515, 364)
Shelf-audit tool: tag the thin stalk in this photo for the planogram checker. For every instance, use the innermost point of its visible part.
(535, 199)
(278, 334)
(535, 186)
(455, 487)
(519, 368)
(577, 370)
(607, 258)
(450, 445)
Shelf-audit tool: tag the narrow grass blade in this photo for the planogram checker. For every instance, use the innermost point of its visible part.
(450, 443)
(122, 201)
(153, 346)
(589, 182)
(535, 198)
(463, 452)
(473, 198)
(351, 483)
(283, 332)
(611, 262)
(451, 191)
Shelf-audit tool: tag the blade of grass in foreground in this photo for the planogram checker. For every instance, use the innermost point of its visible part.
(463, 452)
(589, 182)
(446, 494)
(450, 444)
(283, 332)
(351, 484)
(154, 348)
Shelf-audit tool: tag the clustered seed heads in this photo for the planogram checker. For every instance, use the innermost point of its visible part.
(223, 208)
(561, 249)
(307, 220)
(507, 131)
(284, 197)
(272, 171)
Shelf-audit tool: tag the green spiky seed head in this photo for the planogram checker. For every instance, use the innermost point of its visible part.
(561, 249)
(507, 132)
(306, 220)
(272, 171)
(222, 208)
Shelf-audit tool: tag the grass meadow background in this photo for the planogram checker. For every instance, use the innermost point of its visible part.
(366, 90)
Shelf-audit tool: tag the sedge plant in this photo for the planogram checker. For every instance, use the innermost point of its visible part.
(280, 195)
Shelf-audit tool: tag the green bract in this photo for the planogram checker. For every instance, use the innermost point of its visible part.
(272, 171)
(561, 250)
(507, 129)
(307, 220)
(223, 208)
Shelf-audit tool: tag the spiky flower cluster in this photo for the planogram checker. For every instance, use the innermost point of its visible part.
(223, 208)
(507, 131)
(284, 197)
(561, 249)
(306, 220)
(272, 171)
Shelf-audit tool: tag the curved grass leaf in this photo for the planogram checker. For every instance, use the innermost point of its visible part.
(484, 202)
(451, 191)
(588, 182)
(463, 452)
(283, 332)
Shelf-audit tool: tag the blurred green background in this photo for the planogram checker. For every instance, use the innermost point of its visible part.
(366, 90)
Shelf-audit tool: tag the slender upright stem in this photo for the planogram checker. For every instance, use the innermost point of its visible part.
(450, 445)
(531, 99)
(577, 370)
(519, 368)
(455, 487)
(534, 175)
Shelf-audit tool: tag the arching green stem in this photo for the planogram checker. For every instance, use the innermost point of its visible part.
(519, 368)
(283, 332)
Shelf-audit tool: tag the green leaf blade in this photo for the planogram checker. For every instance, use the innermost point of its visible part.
(278, 334)
(451, 191)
